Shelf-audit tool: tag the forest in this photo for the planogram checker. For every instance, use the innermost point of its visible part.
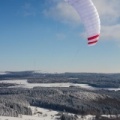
(73, 99)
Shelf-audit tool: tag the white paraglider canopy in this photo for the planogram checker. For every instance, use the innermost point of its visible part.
(90, 18)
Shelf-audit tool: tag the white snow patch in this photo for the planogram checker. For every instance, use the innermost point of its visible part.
(114, 89)
(23, 83)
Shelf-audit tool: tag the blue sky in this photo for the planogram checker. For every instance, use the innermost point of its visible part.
(47, 35)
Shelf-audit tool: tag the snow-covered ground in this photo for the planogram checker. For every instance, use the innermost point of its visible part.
(20, 82)
(41, 114)
(46, 114)
(25, 84)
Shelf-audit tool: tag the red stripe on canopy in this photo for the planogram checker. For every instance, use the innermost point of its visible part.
(93, 42)
(93, 37)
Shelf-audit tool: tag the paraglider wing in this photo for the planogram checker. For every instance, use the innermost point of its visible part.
(90, 18)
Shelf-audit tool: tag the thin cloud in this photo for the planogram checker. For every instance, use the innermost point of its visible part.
(111, 32)
(109, 11)
(63, 12)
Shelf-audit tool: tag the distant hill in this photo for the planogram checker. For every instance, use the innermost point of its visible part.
(94, 79)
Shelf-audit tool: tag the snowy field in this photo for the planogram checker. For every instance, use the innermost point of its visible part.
(25, 84)
(42, 114)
